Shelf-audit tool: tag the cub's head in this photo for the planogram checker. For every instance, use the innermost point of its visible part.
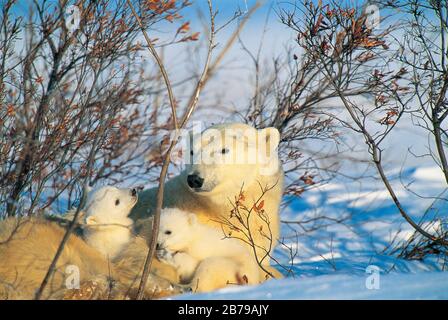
(108, 205)
(176, 230)
(226, 157)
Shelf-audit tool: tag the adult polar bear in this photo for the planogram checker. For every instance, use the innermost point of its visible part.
(227, 158)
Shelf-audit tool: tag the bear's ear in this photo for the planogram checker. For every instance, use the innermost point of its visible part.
(91, 220)
(272, 136)
(192, 219)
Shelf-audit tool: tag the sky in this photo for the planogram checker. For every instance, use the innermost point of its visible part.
(237, 69)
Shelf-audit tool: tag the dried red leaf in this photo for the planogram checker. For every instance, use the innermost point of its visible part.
(184, 28)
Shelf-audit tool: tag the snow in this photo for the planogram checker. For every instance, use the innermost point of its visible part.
(430, 174)
(345, 233)
(429, 285)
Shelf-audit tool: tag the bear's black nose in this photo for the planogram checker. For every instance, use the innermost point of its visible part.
(194, 181)
(133, 192)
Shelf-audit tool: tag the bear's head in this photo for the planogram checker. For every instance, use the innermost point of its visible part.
(108, 205)
(176, 231)
(228, 157)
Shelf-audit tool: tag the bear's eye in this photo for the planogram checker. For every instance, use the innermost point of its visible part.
(117, 202)
(224, 150)
(191, 152)
(167, 232)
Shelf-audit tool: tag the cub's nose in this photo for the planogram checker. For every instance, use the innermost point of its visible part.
(133, 192)
(194, 181)
(158, 246)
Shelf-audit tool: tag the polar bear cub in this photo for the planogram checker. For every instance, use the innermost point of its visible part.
(184, 264)
(201, 255)
(107, 227)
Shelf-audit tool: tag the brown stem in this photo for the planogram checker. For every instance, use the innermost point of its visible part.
(61, 247)
(159, 63)
(227, 47)
(436, 122)
(376, 156)
(191, 106)
(73, 224)
(440, 149)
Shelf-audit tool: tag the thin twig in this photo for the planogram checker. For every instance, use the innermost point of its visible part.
(215, 64)
(160, 191)
(73, 223)
(160, 65)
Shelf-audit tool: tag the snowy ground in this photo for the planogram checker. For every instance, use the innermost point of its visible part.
(427, 285)
(330, 259)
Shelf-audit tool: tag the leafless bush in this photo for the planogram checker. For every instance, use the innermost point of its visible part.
(294, 95)
(61, 89)
(423, 54)
(418, 247)
(239, 225)
(379, 77)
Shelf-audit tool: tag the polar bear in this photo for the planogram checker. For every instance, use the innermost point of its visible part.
(208, 188)
(109, 258)
(107, 227)
(202, 254)
(184, 264)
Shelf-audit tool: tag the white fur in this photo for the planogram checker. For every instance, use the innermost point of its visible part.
(184, 264)
(196, 244)
(107, 226)
(222, 182)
